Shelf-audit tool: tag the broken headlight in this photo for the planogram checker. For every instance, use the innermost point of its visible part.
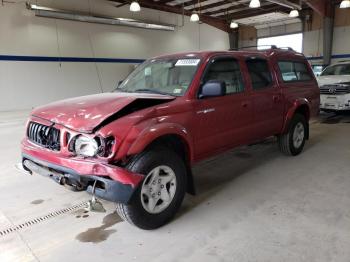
(85, 146)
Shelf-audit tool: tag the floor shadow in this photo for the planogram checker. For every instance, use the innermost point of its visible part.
(213, 175)
(335, 117)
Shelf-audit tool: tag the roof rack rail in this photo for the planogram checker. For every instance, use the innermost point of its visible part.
(254, 46)
(262, 46)
(287, 47)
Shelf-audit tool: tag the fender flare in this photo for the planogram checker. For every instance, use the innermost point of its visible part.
(151, 133)
(291, 111)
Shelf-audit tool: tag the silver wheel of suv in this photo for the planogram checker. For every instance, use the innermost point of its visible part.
(298, 135)
(158, 189)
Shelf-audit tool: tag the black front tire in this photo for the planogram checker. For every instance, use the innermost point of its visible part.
(286, 141)
(134, 212)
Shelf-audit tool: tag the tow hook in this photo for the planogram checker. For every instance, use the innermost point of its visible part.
(94, 204)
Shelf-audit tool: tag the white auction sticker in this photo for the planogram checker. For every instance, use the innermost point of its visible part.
(177, 91)
(187, 62)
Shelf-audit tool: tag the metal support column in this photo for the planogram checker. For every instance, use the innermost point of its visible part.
(328, 28)
(233, 38)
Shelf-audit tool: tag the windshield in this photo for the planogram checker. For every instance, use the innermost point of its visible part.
(161, 76)
(337, 70)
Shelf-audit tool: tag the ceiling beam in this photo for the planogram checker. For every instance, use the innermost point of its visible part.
(213, 21)
(245, 8)
(322, 7)
(203, 7)
(217, 4)
(254, 12)
(195, 2)
(164, 1)
(286, 3)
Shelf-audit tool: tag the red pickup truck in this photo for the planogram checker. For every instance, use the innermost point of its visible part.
(136, 146)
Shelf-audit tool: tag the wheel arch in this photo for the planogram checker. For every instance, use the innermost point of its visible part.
(173, 137)
(300, 106)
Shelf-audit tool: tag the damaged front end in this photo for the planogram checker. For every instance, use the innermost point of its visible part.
(101, 185)
(75, 142)
(51, 151)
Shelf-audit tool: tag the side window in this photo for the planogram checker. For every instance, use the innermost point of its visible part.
(294, 71)
(226, 70)
(259, 72)
(345, 70)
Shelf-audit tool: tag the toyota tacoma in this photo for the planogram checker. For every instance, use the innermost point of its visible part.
(136, 145)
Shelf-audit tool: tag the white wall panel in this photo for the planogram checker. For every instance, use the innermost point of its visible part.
(313, 43)
(341, 40)
(28, 84)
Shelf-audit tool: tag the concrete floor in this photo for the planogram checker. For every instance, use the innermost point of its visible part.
(254, 204)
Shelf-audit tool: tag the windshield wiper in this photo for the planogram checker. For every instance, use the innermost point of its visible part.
(145, 90)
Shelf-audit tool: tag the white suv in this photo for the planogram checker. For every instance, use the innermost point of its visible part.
(334, 83)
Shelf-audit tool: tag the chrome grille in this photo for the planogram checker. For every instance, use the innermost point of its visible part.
(336, 89)
(46, 136)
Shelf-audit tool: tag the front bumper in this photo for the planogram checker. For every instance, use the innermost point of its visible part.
(113, 183)
(106, 188)
(335, 102)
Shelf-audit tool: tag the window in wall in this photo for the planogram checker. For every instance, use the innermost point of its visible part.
(294, 71)
(259, 72)
(227, 70)
(294, 41)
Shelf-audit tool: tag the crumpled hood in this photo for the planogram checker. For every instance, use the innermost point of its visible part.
(87, 112)
(335, 79)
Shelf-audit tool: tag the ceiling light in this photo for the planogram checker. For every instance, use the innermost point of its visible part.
(194, 17)
(294, 13)
(345, 4)
(233, 24)
(254, 4)
(135, 7)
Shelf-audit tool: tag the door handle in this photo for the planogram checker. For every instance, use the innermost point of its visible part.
(206, 111)
(276, 98)
(244, 104)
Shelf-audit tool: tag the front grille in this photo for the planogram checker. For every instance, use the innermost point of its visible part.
(336, 89)
(46, 136)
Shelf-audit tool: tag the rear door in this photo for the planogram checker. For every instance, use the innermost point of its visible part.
(267, 98)
(222, 122)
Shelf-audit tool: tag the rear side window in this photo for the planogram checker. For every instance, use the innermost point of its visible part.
(226, 70)
(294, 71)
(259, 72)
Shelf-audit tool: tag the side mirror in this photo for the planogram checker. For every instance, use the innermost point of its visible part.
(213, 88)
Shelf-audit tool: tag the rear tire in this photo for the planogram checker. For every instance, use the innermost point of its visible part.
(159, 196)
(292, 143)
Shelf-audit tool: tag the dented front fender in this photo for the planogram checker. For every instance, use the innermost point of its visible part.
(136, 142)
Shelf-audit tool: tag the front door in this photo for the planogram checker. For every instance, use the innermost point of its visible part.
(222, 121)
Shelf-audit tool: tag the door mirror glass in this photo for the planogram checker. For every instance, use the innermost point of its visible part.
(213, 88)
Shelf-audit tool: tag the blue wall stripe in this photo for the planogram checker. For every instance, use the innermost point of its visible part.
(105, 60)
(69, 59)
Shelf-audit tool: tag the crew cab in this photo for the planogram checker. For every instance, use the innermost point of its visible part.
(136, 146)
(334, 83)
